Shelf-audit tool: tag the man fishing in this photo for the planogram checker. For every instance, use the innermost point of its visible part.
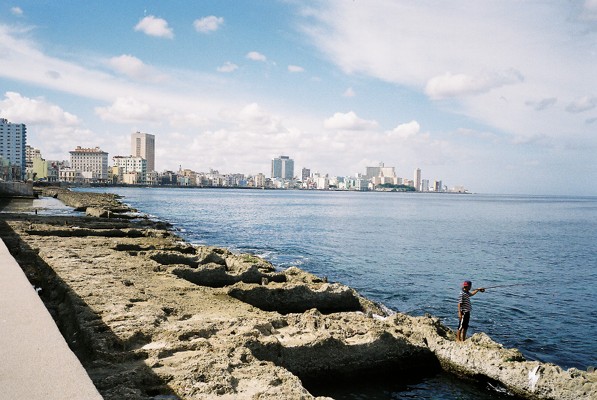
(464, 309)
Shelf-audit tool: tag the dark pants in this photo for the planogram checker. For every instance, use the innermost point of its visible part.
(463, 323)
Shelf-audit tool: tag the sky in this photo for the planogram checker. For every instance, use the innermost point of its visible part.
(496, 96)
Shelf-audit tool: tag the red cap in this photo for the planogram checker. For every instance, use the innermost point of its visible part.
(467, 283)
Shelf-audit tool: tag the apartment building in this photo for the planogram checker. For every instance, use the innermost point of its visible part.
(13, 141)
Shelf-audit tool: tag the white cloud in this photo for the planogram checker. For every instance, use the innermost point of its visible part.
(20, 109)
(408, 130)
(455, 85)
(134, 68)
(208, 24)
(499, 60)
(349, 92)
(185, 91)
(582, 104)
(253, 117)
(228, 67)
(50, 128)
(256, 56)
(590, 9)
(188, 120)
(295, 68)
(153, 26)
(128, 109)
(349, 122)
(16, 11)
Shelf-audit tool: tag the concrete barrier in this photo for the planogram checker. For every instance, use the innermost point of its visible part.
(35, 361)
(16, 189)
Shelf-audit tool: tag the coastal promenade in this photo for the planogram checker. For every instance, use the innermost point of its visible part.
(36, 362)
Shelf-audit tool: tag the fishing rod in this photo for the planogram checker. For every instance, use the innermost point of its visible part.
(509, 285)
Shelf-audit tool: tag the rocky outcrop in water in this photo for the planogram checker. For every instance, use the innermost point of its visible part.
(97, 204)
(505, 369)
(150, 315)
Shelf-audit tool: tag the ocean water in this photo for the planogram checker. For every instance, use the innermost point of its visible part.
(411, 251)
(42, 206)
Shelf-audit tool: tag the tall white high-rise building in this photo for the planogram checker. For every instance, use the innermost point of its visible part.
(13, 140)
(143, 145)
(417, 179)
(283, 168)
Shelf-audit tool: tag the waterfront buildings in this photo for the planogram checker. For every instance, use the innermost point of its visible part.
(131, 170)
(13, 157)
(259, 180)
(143, 145)
(70, 175)
(31, 153)
(45, 170)
(92, 163)
(283, 168)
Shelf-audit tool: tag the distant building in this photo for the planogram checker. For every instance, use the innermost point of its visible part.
(70, 175)
(168, 178)
(133, 169)
(31, 153)
(361, 184)
(417, 180)
(92, 163)
(283, 168)
(260, 180)
(188, 177)
(143, 145)
(13, 142)
(305, 174)
(45, 170)
(380, 171)
(323, 183)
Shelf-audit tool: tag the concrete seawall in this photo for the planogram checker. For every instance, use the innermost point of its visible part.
(36, 362)
(16, 189)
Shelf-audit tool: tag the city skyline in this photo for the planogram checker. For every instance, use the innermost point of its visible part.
(497, 96)
(91, 165)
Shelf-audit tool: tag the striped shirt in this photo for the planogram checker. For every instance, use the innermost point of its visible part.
(464, 299)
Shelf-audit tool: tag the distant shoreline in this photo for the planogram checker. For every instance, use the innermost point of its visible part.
(84, 186)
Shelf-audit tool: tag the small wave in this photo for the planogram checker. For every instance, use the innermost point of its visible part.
(498, 388)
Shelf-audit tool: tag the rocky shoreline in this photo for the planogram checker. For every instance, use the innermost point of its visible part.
(151, 316)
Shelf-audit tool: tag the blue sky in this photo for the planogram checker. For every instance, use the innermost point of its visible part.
(497, 96)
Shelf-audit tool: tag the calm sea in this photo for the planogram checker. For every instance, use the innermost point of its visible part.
(411, 251)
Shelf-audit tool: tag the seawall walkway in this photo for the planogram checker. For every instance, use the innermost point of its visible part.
(35, 361)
